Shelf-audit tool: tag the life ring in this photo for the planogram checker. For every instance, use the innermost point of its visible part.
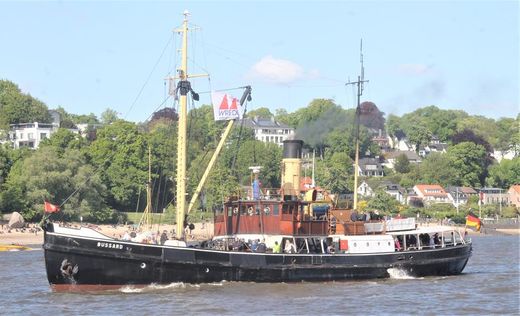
(235, 210)
(267, 210)
(250, 211)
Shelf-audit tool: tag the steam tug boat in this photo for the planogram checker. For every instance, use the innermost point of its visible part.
(324, 245)
(262, 236)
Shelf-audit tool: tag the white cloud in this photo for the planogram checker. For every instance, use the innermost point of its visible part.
(278, 71)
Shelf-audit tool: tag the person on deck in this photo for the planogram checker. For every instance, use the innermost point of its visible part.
(289, 247)
(261, 248)
(277, 248)
(397, 244)
(164, 237)
(254, 245)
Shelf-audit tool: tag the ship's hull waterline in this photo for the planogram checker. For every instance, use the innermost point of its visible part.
(80, 263)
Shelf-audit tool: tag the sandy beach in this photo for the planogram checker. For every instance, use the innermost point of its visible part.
(202, 231)
(16, 236)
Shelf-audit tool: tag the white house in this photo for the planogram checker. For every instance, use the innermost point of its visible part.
(268, 130)
(30, 134)
(365, 190)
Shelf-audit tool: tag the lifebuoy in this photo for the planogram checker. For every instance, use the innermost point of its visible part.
(250, 211)
(235, 210)
(267, 210)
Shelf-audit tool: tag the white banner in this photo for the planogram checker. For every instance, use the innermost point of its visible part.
(225, 107)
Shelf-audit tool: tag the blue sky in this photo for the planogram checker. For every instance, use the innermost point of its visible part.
(89, 56)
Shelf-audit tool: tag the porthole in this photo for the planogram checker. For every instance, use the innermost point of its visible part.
(368, 244)
(355, 244)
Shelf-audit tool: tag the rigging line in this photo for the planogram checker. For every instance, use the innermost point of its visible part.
(222, 90)
(165, 190)
(98, 168)
(204, 56)
(196, 65)
(157, 181)
(149, 76)
(235, 172)
(250, 58)
(157, 108)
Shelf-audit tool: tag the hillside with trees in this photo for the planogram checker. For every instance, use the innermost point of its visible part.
(97, 178)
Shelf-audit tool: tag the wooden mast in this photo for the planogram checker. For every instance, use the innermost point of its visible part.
(146, 218)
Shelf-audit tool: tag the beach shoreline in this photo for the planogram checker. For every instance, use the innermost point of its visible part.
(202, 231)
(25, 238)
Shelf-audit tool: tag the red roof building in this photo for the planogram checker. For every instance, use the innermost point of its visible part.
(431, 193)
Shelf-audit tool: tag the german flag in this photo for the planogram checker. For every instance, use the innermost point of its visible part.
(473, 220)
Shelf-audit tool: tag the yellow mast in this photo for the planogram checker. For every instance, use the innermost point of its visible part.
(181, 137)
(146, 218)
(210, 165)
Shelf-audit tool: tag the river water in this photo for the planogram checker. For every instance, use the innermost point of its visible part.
(490, 285)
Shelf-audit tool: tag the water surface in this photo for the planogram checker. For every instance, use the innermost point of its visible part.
(490, 285)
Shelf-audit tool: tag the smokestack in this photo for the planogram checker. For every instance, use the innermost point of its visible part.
(291, 168)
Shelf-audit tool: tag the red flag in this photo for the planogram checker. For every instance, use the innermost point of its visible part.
(51, 208)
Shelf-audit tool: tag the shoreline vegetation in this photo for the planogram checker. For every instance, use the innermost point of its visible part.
(203, 230)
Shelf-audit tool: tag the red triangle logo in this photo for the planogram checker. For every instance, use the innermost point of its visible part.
(234, 104)
(224, 105)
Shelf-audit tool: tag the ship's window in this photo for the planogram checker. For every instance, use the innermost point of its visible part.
(243, 209)
(230, 210)
(286, 209)
(368, 244)
(378, 243)
(388, 243)
(355, 244)
(276, 209)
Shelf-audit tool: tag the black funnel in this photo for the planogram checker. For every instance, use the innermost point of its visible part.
(292, 148)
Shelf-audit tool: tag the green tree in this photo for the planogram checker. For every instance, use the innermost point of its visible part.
(436, 168)
(281, 115)
(109, 116)
(504, 174)
(46, 176)
(17, 107)
(120, 154)
(260, 112)
(467, 160)
(419, 135)
(334, 172)
(383, 201)
(64, 139)
(402, 164)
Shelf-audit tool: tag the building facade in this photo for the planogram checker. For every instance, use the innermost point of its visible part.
(30, 134)
(431, 193)
(268, 130)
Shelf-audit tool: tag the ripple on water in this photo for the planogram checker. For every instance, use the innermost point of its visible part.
(489, 285)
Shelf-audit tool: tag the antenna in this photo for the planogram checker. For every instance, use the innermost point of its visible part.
(362, 67)
(359, 83)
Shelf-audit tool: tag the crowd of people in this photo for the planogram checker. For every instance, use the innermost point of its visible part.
(27, 228)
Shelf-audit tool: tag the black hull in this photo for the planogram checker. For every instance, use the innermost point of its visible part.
(88, 263)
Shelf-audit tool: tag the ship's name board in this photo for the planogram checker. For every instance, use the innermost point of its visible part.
(109, 245)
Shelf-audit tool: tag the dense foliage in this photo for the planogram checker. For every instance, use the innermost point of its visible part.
(94, 177)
